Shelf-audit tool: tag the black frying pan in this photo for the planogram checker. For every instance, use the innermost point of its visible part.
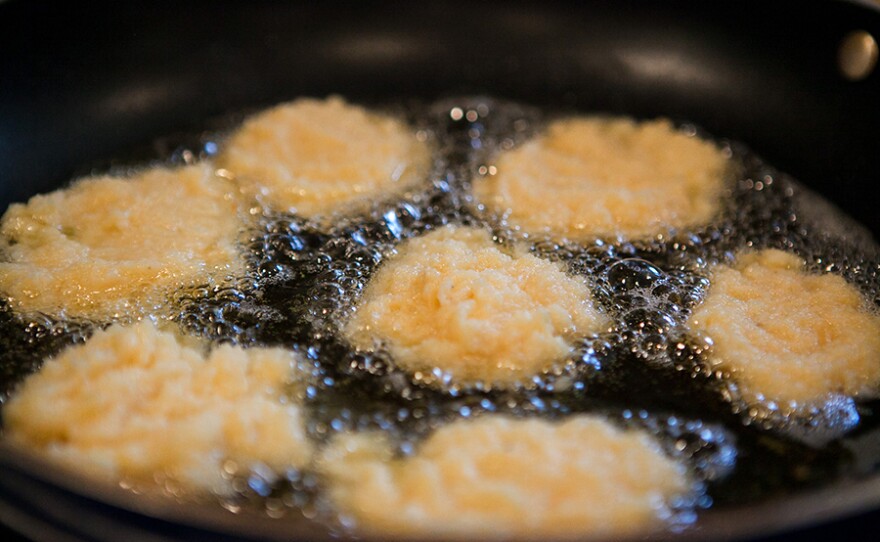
(83, 82)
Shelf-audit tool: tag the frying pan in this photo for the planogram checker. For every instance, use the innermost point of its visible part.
(84, 82)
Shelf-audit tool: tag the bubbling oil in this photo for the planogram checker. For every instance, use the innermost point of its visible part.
(646, 372)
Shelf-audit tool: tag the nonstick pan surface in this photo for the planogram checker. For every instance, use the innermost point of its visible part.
(83, 83)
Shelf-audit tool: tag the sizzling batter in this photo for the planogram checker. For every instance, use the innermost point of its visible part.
(141, 405)
(593, 176)
(452, 300)
(500, 477)
(111, 247)
(787, 335)
(313, 156)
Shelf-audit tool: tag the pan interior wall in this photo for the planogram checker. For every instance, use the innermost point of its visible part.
(90, 81)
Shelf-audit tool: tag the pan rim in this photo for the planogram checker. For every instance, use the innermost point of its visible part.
(844, 497)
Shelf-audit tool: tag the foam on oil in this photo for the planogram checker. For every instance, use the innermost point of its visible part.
(305, 276)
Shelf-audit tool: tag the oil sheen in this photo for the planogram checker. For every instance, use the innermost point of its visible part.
(645, 369)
